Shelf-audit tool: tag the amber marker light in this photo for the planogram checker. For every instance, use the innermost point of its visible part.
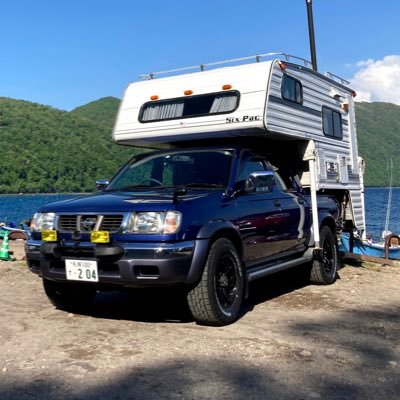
(282, 66)
(155, 97)
(226, 87)
(49, 235)
(188, 92)
(100, 237)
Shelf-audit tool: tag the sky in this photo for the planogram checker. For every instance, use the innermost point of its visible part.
(66, 53)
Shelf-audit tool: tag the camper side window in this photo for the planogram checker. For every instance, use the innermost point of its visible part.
(332, 123)
(291, 89)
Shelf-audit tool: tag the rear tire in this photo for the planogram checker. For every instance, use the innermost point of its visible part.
(218, 297)
(324, 270)
(69, 296)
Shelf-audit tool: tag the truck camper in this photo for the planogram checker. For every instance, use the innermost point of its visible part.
(252, 168)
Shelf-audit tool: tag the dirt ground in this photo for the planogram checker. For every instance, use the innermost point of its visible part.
(293, 341)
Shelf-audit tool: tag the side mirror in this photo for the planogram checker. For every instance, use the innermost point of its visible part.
(260, 181)
(101, 184)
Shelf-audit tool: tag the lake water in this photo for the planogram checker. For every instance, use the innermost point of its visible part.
(17, 208)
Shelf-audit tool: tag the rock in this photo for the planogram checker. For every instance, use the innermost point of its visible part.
(305, 353)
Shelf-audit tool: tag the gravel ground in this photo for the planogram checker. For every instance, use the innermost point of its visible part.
(293, 341)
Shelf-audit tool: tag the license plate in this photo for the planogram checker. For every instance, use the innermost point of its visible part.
(81, 270)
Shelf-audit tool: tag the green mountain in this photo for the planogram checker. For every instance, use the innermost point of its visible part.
(45, 150)
(102, 110)
(378, 132)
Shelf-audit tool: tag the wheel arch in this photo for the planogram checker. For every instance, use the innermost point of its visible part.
(206, 236)
(222, 229)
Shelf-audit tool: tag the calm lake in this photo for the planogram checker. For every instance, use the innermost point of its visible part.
(17, 208)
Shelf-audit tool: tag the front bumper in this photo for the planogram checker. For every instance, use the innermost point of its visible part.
(123, 264)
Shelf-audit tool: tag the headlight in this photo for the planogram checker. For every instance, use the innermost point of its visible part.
(42, 221)
(155, 222)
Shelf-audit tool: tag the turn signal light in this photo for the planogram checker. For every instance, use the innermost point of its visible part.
(100, 237)
(188, 92)
(49, 235)
(226, 87)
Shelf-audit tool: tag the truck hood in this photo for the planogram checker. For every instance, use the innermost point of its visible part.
(126, 202)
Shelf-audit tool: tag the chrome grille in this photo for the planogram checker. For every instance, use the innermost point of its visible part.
(111, 223)
(67, 223)
(87, 223)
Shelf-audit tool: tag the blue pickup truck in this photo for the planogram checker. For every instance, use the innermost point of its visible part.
(206, 219)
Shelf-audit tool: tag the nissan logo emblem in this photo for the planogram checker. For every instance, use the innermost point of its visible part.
(88, 224)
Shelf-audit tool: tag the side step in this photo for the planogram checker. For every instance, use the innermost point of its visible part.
(265, 270)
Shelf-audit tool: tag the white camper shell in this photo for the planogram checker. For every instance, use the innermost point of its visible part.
(277, 99)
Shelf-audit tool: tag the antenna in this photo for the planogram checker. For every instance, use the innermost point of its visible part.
(311, 35)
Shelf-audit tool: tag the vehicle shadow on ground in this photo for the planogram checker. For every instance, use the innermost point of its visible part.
(145, 305)
(169, 305)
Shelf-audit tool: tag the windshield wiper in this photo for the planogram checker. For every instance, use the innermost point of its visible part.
(202, 185)
(131, 187)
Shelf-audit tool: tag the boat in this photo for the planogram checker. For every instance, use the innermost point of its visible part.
(389, 244)
(13, 231)
(390, 248)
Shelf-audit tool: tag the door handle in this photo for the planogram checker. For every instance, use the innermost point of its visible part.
(277, 203)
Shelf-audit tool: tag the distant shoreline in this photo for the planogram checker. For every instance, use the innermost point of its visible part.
(44, 194)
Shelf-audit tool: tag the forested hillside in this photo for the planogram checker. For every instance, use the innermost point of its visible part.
(378, 131)
(101, 111)
(45, 150)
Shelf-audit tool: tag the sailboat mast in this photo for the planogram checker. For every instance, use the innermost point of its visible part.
(389, 203)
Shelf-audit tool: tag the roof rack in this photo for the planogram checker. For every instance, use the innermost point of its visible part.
(336, 78)
(202, 67)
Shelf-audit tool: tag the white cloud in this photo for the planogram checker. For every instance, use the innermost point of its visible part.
(378, 80)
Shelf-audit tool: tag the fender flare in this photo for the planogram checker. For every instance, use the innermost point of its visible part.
(324, 218)
(219, 228)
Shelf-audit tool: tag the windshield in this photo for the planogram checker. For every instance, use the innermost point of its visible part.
(194, 168)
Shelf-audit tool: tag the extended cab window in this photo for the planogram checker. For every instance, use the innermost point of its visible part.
(190, 106)
(332, 123)
(291, 89)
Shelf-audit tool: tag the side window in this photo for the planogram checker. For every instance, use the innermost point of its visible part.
(291, 89)
(332, 123)
(248, 165)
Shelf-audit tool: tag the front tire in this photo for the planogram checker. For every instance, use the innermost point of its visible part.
(324, 268)
(69, 296)
(218, 297)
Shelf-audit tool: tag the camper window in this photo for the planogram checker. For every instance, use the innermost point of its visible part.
(291, 89)
(189, 107)
(332, 123)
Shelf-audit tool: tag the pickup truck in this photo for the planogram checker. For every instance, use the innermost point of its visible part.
(208, 220)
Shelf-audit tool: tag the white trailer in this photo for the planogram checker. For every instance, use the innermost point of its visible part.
(273, 96)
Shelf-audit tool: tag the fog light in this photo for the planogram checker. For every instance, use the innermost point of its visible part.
(100, 237)
(49, 235)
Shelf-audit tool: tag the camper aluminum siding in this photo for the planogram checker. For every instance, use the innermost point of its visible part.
(336, 158)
